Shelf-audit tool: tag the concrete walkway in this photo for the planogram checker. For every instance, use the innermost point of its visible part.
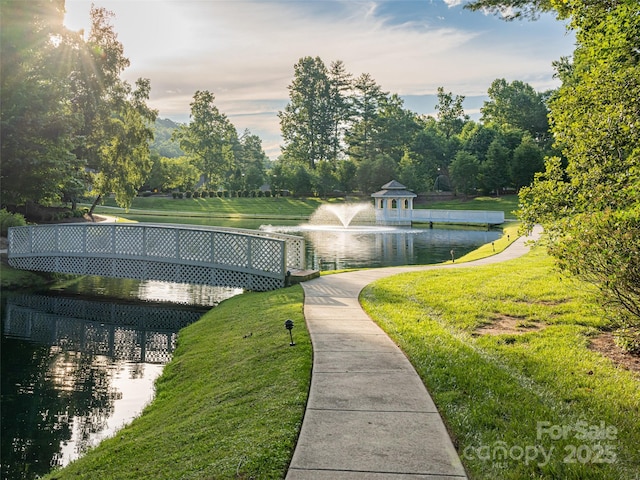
(369, 415)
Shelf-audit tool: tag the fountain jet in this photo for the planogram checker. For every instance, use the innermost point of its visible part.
(344, 214)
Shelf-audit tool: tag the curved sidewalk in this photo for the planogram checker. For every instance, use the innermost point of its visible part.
(369, 415)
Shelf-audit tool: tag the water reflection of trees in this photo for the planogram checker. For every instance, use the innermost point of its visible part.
(58, 369)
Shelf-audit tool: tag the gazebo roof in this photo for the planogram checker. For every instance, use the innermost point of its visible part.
(393, 185)
(394, 189)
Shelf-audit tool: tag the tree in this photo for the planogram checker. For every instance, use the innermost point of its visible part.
(395, 128)
(367, 100)
(36, 118)
(374, 172)
(117, 123)
(346, 175)
(451, 116)
(308, 121)
(429, 156)
(324, 179)
(252, 160)
(527, 160)
(494, 171)
(517, 105)
(340, 106)
(464, 171)
(209, 139)
(125, 160)
(591, 208)
(476, 138)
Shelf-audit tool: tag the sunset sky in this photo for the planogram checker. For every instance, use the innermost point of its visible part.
(244, 51)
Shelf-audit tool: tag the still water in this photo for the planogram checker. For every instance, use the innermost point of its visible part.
(80, 360)
(366, 247)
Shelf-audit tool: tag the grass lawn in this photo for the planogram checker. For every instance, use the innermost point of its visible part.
(504, 351)
(229, 405)
(12, 279)
(274, 207)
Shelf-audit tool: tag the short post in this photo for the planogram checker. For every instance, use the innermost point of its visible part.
(453, 259)
(289, 326)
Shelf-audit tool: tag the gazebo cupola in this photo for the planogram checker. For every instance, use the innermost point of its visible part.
(393, 204)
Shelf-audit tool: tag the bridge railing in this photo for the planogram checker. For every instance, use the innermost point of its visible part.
(175, 253)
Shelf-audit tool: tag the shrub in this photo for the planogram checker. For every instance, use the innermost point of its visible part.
(174, 195)
(196, 194)
(8, 219)
(188, 194)
(260, 194)
(267, 193)
(204, 194)
(180, 195)
(212, 194)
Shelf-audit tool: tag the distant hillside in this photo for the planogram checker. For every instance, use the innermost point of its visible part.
(162, 142)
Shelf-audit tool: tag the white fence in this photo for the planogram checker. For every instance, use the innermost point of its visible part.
(174, 253)
(462, 217)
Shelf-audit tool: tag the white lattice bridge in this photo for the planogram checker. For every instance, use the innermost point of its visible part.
(247, 259)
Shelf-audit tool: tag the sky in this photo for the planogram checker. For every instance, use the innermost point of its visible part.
(244, 51)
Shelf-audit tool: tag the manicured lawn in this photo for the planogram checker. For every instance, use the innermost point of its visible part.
(507, 393)
(229, 405)
(12, 279)
(280, 207)
(506, 203)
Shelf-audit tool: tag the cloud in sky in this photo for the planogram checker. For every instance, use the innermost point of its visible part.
(244, 51)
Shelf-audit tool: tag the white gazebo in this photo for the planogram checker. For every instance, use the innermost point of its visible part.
(394, 204)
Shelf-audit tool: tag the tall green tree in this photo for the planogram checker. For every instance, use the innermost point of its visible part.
(527, 160)
(451, 116)
(36, 118)
(464, 171)
(308, 120)
(209, 138)
(252, 160)
(125, 159)
(368, 97)
(494, 171)
(340, 105)
(517, 105)
(591, 208)
(118, 124)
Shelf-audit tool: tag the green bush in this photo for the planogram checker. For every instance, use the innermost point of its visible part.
(212, 194)
(196, 194)
(8, 219)
(188, 194)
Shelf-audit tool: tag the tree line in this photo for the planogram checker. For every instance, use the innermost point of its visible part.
(346, 133)
(72, 127)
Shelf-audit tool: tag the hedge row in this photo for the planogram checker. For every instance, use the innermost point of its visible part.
(224, 194)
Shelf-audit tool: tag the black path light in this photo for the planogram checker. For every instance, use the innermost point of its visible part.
(289, 326)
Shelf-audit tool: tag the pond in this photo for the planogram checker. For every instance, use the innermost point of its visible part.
(79, 360)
